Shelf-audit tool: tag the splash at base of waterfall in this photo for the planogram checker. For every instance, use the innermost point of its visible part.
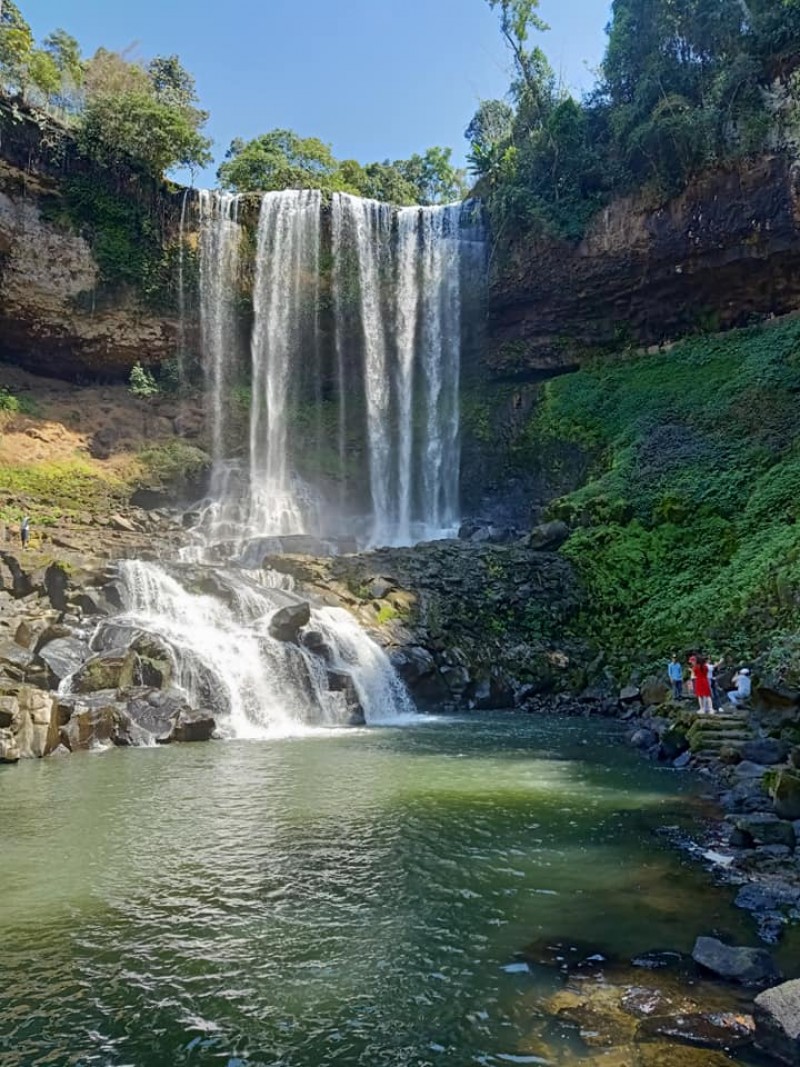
(218, 627)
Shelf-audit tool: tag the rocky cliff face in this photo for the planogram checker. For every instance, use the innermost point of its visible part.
(56, 316)
(723, 253)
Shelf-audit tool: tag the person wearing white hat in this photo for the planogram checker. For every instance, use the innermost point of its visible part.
(743, 688)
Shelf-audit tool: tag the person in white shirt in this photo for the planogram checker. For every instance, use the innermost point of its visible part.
(743, 687)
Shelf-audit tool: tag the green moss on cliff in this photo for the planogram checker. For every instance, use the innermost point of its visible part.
(686, 530)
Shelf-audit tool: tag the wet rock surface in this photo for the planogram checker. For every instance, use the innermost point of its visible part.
(467, 624)
(659, 1008)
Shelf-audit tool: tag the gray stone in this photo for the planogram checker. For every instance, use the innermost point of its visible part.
(193, 726)
(750, 966)
(785, 793)
(643, 738)
(90, 728)
(764, 829)
(777, 1018)
(9, 750)
(748, 769)
(9, 712)
(15, 656)
(378, 588)
(64, 656)
(549, 536)
(682, 761)
(766, 750)
(115, 669)
(629, 695)
(286, 622)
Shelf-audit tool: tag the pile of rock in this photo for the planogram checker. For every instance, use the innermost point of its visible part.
(120, 689)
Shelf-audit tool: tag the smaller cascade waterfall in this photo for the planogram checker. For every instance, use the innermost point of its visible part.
(216, 624)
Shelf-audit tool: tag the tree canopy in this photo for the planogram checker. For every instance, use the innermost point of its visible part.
(685, 84)
(281, 159)
(123, 111)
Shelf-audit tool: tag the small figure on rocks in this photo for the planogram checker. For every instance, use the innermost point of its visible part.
(702, 684)
(744, 687)
(25, 531)
(713, 667)
(675, 673)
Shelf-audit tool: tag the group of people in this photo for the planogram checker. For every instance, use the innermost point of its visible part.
(704, 682)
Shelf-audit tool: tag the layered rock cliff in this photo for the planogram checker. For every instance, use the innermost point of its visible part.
(724, 253)
(58, 314)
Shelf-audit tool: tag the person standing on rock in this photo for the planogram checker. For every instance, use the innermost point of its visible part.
(675, 672)
(702, 685)
(25, 531)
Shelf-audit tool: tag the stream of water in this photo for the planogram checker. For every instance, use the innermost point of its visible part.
(353, 899)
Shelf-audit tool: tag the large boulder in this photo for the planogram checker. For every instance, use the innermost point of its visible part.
(92, 727)
(420, 673)
(784, 788)
(764, 829)
(750, 966)
(765, 750)
(654, 691)
(777, 1016)
(37, 733)
(9, 750)
(63, 657)
(191, 725)
(9, 712)
(287, 622)
(115, 669)
(549, 536)
(14, 659)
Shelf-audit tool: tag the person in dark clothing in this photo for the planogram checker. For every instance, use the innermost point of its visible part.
(675, 673)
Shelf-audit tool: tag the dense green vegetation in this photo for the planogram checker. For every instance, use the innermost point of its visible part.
(687, 528)
(685, 85)
(123, 112)
(281, 159)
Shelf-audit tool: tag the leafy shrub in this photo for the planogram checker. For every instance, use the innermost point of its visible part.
(142, 382)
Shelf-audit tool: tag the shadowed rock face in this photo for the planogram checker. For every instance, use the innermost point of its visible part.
(56, 317)
(723, 252)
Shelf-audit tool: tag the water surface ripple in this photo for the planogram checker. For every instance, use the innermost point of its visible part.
(352, 899)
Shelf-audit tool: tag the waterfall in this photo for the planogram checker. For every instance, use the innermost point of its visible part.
(355, 363)
(182, 375)
(216, 625)
(286, 306)
(409, 274)
(220, 238)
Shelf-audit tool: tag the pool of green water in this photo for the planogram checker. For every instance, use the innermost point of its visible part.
(355, 898)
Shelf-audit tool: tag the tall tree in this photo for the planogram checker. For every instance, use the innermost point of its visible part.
(16, 46)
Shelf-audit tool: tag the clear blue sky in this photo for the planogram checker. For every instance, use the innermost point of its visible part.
(377, 79)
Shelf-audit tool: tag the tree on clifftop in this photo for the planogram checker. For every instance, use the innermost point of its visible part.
(277, 160)
(142, 116)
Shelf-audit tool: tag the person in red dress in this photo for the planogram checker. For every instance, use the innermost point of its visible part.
(702, 684)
